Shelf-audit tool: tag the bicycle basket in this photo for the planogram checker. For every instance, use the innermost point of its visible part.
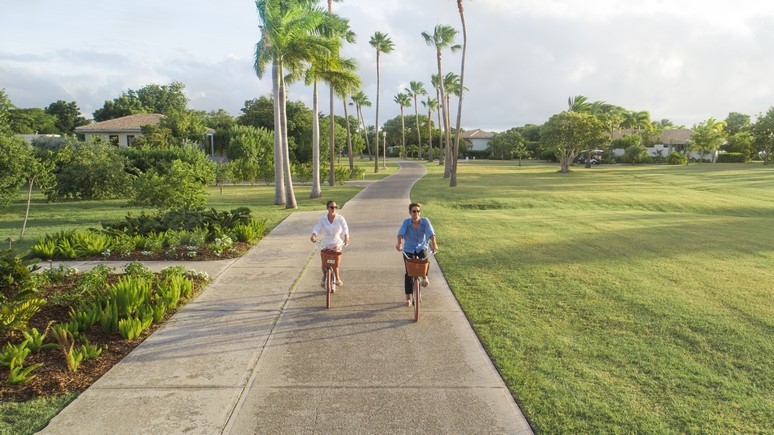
(330, 258)
(417, 267)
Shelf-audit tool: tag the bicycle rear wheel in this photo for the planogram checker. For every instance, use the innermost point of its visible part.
(328, 286)
(417, 298)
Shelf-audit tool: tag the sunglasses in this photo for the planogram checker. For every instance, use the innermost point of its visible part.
(333, 207)
(416, 210)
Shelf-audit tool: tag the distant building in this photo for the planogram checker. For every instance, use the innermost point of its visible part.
(477, 140)
(119, 131)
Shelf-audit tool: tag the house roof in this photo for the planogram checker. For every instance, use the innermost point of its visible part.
(476, 134)
(131, 123)
(668, 136)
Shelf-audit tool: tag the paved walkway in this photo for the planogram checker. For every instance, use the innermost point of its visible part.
(258, 352)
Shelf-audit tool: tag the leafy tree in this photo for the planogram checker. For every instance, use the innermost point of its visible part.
(741, 142)
(89, 170)
(5, 107)
(152, 98)
(15, 156)
(31, 121)
(441, 39)
(181, 186)
(763, 134)
(506, 144)
(251, 151)
(569, 133)
(736, 123)
(383, 44)
(219, 120)
(185, 125)
(68, 116)
(706, 136)
(39, 171)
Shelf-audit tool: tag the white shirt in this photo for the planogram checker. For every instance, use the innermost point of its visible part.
(330, 235)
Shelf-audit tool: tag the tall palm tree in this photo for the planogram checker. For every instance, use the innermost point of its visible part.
(338, 28)
(414, 90)
(578, 103)
(451, 83)
(360, 100)
(287, 41)
(430, 104)
(403, 100)
(344, 82)
(453, 181)
(436, 81)
(383, 44)
(442, 38)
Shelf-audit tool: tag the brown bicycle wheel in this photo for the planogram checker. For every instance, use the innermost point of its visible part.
(417, 298)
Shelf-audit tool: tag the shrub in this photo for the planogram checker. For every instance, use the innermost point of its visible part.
(676, 158)
(733, 158)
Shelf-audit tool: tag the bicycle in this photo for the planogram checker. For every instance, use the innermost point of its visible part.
(330, 259)
(416, 268)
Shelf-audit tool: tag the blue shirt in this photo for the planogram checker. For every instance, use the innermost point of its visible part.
(416, 240)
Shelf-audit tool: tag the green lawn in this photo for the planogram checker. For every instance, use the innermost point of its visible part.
(617, 299)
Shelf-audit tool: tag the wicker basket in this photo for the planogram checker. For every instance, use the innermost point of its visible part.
(330, 258)
(417, 267)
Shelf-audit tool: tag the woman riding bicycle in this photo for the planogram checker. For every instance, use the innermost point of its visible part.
(414, 236)
(334, 233)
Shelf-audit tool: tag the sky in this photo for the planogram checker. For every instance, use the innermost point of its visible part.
(681, 60)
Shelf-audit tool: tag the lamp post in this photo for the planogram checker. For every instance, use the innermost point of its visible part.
(384, 146)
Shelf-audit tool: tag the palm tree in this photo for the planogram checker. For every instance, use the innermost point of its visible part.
(451, 83)
(383, 44)
(344, 82)
(338, 28)
(579, 104)
(360, 100)
(453, 181)
(441, 145)
(414, 90)
(287, 41)
(403, 100)
(430, 104)
(442, 38)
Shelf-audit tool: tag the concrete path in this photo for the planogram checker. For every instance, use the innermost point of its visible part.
(258, 352)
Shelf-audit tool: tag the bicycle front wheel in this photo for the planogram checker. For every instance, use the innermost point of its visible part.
(417, 298)
(328, 286)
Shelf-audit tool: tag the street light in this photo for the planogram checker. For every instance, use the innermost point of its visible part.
(384, 146)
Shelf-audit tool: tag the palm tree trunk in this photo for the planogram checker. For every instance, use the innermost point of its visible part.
(440, 128)
(429, 136)
(453, 181)
(419, 135)
(376, 141)
(279, 187)
(332, 170)
(316, 189)
(349, 141)
(290, 195)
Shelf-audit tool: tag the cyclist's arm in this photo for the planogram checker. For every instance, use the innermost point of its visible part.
(399, 245)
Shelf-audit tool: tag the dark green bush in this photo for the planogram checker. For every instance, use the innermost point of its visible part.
(733, 158)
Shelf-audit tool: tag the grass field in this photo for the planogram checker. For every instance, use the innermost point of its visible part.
(618, 299)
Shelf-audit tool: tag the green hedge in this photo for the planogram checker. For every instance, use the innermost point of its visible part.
(733, 158)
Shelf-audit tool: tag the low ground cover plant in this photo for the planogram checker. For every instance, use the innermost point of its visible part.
(189, 234)
(65, 319)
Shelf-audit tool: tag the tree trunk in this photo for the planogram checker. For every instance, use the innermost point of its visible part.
(279, 187)
(453, 181)
(332, 170)
(349, 142)
(316, 188)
